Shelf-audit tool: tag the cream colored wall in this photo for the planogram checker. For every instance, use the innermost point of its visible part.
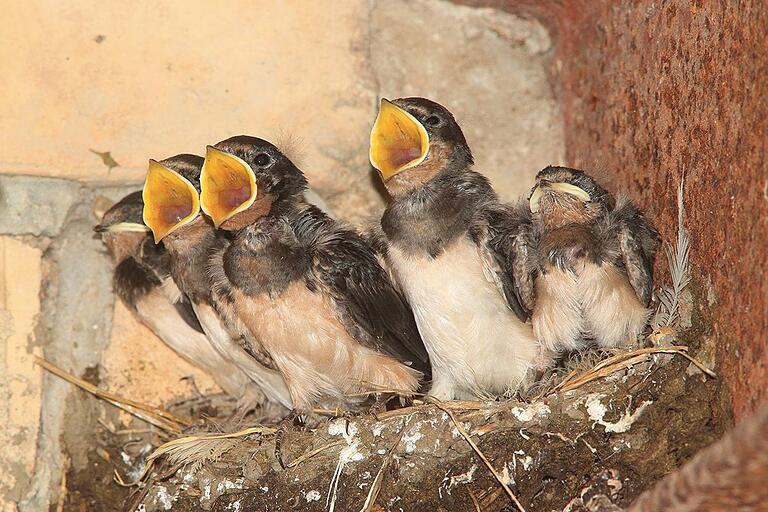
(20, 379)
(151, 79)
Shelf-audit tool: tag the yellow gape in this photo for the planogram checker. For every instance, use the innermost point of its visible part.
(398, 141)
(228, 185)
(170, 200)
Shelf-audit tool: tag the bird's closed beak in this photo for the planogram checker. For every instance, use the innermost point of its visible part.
(566, 188)
(122, 227)
(398, 141)
(228, 185)
(170, 200)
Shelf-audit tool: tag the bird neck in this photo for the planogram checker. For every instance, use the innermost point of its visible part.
(124, 245)
(190, 247)
(431, 217)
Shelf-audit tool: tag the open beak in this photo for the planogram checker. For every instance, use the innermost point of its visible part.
(566, 188)
(121, 227)
(228, 185)
(170, 200)
(398, 141)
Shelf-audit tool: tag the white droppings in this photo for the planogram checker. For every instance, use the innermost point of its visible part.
(410, 441)
(126, 458)
(206, 492)
(342, 427)
(455, 432)
(463, 478)
(349, 453)
(312, 496)
(234, 506)
(348, 431)
(165, 499)
(432, 421)
(597, 410)
(530, 412)
(226, 485)
(525, 460)
(506, 478)
(382, 451)
(264, 489)
(377, 429)
(366, 475)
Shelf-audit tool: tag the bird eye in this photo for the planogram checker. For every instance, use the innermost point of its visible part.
(432, 120)
(262, 159)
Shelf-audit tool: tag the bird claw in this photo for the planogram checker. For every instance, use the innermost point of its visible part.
(286, 425)
(378, 406)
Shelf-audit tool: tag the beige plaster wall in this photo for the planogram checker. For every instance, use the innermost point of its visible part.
(151, 79)
(20, 378)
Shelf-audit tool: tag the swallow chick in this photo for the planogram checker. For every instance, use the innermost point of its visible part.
(143, 282)
(301, 287)
(446, 238)
(591, 258)
(172, 211)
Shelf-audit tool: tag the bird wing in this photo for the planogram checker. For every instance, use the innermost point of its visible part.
(505, 237)
(155, 259)
(638, 240)
(369, 306)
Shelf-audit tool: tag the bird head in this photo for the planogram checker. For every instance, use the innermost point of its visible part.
(121, 227)
(567, 196)
(124, 216)
(414, 139)
(243, 178)
(171, 194)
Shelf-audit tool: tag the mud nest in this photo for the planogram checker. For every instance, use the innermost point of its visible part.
(613, 436)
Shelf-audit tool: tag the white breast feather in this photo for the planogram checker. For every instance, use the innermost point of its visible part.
(478, 347)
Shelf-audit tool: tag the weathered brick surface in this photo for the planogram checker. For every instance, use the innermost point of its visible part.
(652, 91)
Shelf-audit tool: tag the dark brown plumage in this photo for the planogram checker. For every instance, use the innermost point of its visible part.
(583, 262)
(305, 289)
(190, 243)
(444, 234)
(142, 281)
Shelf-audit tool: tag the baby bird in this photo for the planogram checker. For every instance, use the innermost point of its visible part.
(446, 237)
(585, 263)
(172, 211)
(302, 289)
(143, 282)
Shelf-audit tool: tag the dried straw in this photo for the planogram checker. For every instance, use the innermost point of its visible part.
(480, 454)
(623, 361)
(373, 493)
(157, 417)
(309, 455)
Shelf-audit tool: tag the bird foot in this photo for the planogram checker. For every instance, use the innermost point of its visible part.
(378, 406)
(288, 424)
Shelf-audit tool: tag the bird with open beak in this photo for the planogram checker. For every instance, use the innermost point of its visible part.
(172, 211)
(301, 287)
(447, 237)
(143, 282)
(586, 263)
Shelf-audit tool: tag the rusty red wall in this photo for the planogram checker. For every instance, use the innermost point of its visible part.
(652, 91)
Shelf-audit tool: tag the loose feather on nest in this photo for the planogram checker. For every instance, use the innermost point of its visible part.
(668, 310)
(196, 450)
